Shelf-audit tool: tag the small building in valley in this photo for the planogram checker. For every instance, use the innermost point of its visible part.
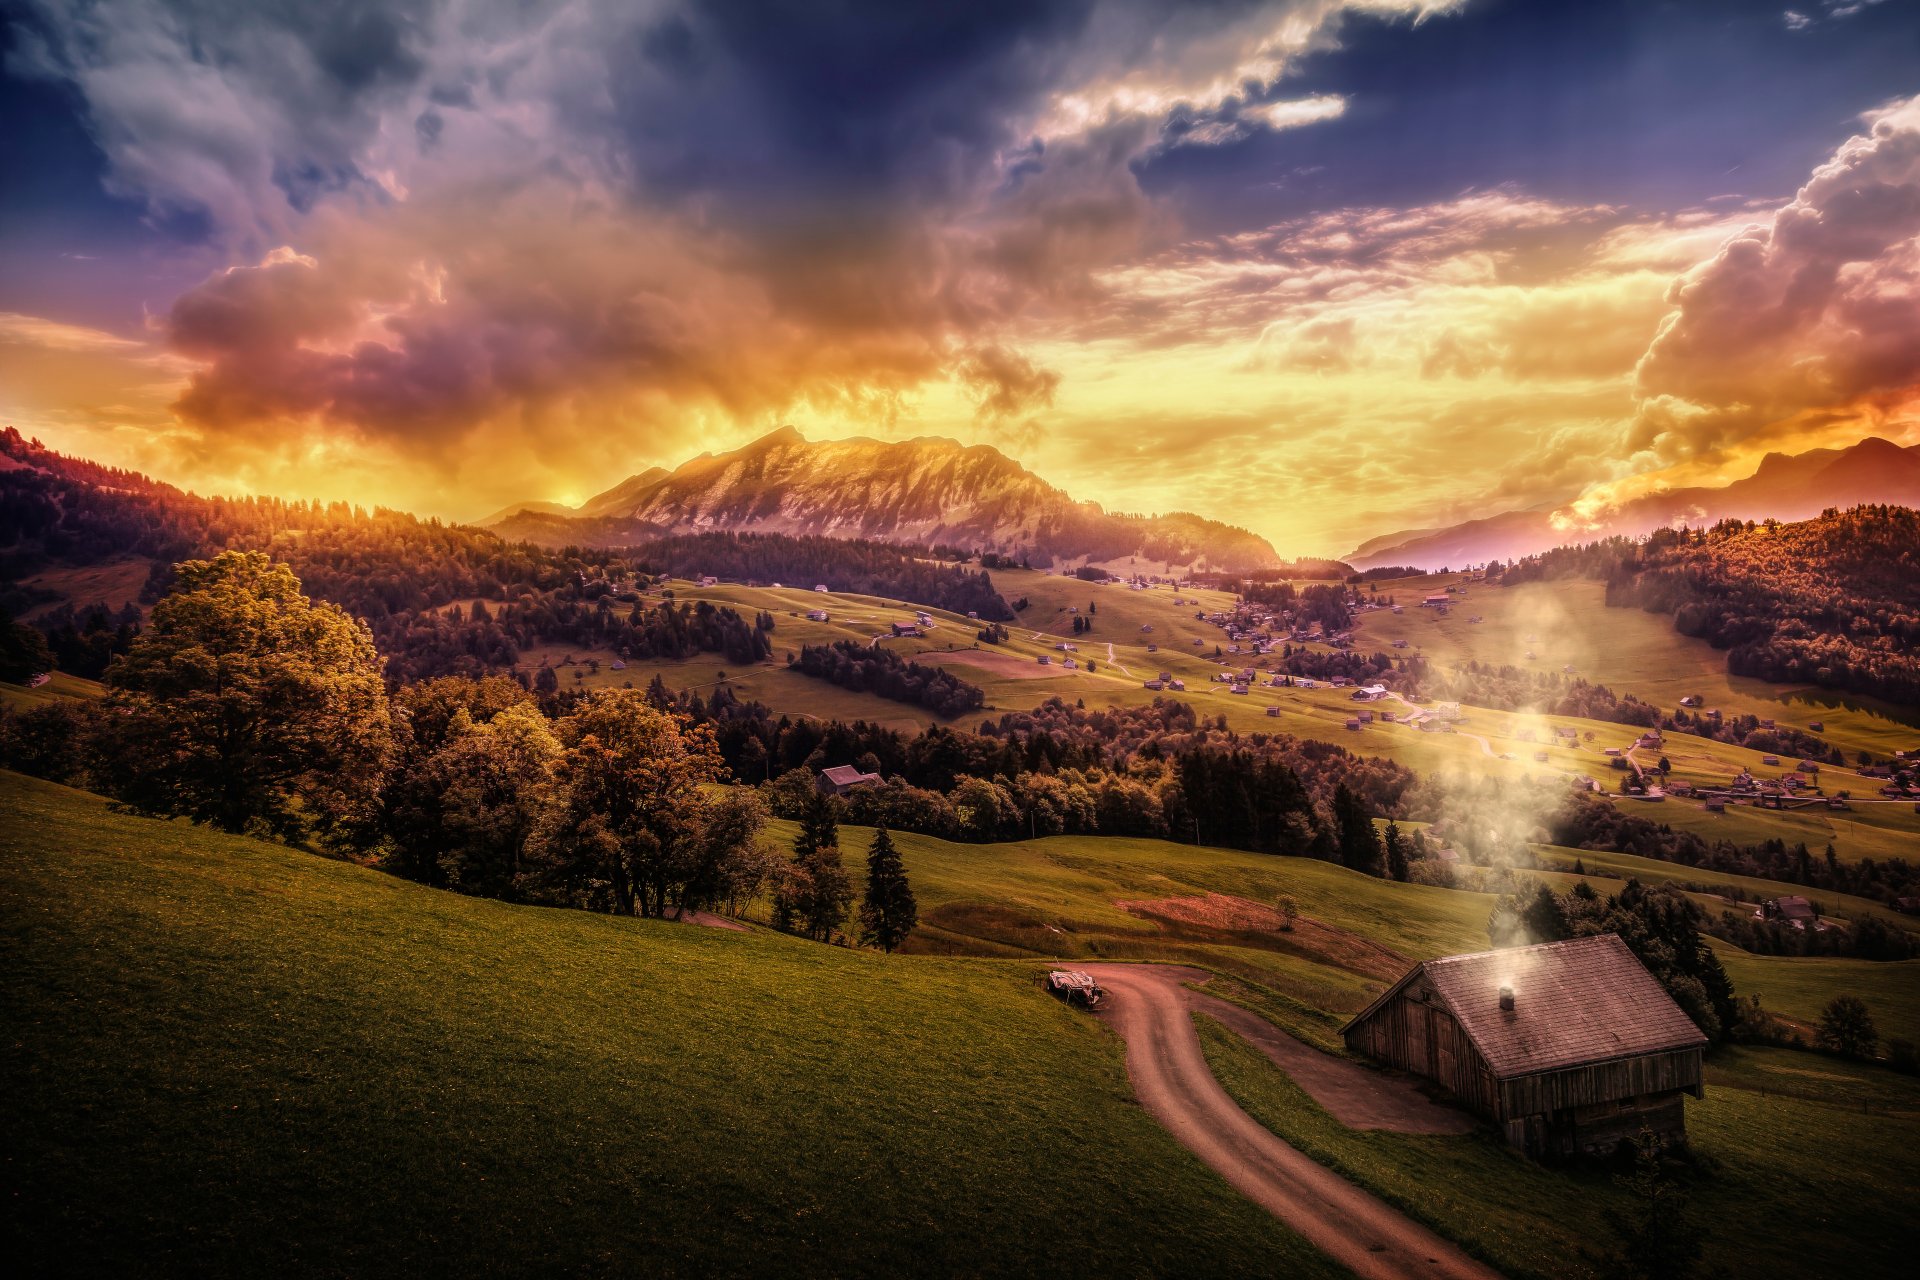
(1570, 1047)
(842, 778)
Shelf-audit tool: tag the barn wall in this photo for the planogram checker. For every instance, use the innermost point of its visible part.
(1425, 1039)
(1414, 1035)
(1601, 1082)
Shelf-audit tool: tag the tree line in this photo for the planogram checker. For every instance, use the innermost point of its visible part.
(1832, 601)
(873, 668)
(249, 707)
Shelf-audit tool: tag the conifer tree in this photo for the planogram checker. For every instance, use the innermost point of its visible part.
(816, 890)
(889, 913)
(1359, 843)
(1396, 854)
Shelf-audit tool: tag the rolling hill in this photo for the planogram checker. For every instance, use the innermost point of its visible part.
(1784, 487)
(923, 491)
(226, 1056)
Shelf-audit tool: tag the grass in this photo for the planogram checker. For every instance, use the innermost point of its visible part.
(1056, 897)
(1717, 891)
(60, 685)
(226, 1056)
(1798, 1156)
(1630, 651)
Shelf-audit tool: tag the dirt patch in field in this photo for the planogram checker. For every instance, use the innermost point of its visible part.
(1223, 917)
(1010, 665)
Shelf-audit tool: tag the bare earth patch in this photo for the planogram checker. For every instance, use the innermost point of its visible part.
(1225, 916)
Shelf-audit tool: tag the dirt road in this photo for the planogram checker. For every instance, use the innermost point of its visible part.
(1150, 1010)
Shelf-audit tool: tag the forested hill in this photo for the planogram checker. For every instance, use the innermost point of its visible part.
(1833, 601)
(441, 599)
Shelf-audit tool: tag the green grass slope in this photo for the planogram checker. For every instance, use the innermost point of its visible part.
(1800, 1158)
(228, 1057)
(1059, 896)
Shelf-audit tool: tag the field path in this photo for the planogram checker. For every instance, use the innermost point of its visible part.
(1148, 1006)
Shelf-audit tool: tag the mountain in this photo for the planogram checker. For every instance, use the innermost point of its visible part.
(922, 491)
(1784, 486)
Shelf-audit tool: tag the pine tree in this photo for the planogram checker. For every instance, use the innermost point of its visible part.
(1359, 843)
(1396, 853)
(889, 913)
(816, 891)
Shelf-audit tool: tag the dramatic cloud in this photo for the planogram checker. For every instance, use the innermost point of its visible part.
(1811, 312)
(451, 253)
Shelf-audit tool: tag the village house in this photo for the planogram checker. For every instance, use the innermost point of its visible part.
(1370, 693)
(1438, 600)
(1569, 1047)
(816, 615)
(842, 778)
(1792, 910)
(905, 629)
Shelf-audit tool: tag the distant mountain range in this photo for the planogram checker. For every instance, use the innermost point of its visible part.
(1785, 487)
(923, 491)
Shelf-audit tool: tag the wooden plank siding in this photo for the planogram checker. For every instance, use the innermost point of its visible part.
(1414, 1035)
(1543, 1072)
(1600, 1082)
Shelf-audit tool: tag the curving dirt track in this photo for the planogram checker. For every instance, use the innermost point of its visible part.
(1150, 1009)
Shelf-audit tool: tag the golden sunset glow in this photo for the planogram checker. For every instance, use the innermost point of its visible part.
(1172, 264)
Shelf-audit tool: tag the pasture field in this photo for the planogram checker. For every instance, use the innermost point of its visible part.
(370, 1074)
(1716, 890)
(1628, 650)
(1061, 896)
(1487, 742)
(60, 685)
(228, 1056)
(115, 583)
(1799, 1156)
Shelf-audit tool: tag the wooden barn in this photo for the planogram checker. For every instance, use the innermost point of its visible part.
(1571, 1047)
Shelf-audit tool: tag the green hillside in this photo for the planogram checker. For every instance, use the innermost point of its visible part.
(1630, 651)
(227, 1056)
(1059, 896)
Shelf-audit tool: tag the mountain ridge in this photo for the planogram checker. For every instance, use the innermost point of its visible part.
(925, 490)
(1783, 487)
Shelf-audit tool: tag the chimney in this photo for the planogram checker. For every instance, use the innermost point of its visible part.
(1506, 999)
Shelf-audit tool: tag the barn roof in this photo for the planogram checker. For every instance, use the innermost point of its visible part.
(1575, 1002)
(845, 775)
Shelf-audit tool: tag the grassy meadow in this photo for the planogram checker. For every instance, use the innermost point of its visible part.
(1796, 1157)
(1059, 897)
(1627, 649)
(227, 1056)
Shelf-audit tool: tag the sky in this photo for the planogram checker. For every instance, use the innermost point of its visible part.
(1322, 268)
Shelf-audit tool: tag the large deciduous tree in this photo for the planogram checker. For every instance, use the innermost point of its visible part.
(633, 828)
(247, 706)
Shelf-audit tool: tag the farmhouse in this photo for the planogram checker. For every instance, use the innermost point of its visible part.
(1570, 1047)
(906, 629)
(1792, 910)
(1438, 600)
(1370, 693)
(816, 615)
(842, 778)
